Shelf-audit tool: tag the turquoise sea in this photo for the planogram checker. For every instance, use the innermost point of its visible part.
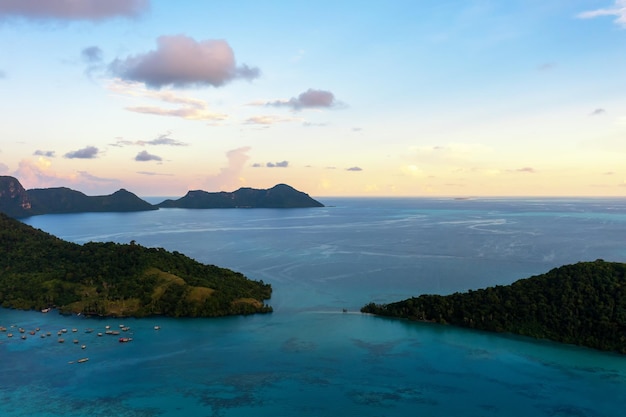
(309, 357)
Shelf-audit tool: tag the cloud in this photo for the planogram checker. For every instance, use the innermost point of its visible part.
(269, 120)
(229, 177)
(181, 61)
(309, 99)
(90, 152)
(94, 10)
(618, 10)
(163, 139)
(528, 170)
(547, 66)
(145, 156)
(356, 169)
(185, 113)
(149, 173)
(91, 54)
(48, 154)
(282, 164)
(190, 108)
(597, 112)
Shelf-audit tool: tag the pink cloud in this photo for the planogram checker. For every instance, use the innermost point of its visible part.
(181, 61)
(72, 9)
(311, 98)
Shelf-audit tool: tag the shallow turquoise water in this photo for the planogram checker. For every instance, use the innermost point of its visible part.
(309, 358)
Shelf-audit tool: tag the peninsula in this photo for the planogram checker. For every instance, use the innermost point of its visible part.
(582, 304)
(39, 271)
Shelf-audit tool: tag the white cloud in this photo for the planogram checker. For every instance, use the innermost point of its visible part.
(618, 10)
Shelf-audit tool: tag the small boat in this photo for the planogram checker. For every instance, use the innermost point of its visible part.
(89, 331)
(74, 330)
(99, 334)
(83, 346)
(46, 310)
(3, 329)
(75, 341)
(157, 327)
(9, 334)
(81, 360)
(125, 339)
(125, 328)
(23, 337)
(61, 340)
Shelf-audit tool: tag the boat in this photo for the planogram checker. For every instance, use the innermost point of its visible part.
(157, 327)
(46, 310)
(81, 360)
(125, 339)
(61, 340)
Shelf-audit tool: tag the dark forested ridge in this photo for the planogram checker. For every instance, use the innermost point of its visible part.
(38, 270)
(19, 203)
(279, 196)
(582, 304)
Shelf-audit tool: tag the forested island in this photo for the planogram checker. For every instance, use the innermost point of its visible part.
(40, 271)
(18, 202)
(582, 304)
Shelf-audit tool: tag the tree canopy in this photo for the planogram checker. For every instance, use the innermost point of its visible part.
(38, 270)
(582, 304)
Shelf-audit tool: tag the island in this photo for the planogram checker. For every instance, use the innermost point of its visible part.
(17, 202)
(279, 196)
(40, 271)
(582, 304)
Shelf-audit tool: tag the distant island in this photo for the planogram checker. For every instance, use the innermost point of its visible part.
(40, 271)
(17, 202)
(279, 196)
(582, 304)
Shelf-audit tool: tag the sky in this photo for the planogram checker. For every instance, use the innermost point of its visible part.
(335, 98)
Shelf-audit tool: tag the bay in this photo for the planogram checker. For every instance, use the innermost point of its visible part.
(309, 357)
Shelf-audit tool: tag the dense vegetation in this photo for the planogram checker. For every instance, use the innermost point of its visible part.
(583, 304)
(38, 270)
(279, 196)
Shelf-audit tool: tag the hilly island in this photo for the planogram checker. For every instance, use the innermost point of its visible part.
(18, 202)
(38, 271)
(582, 304)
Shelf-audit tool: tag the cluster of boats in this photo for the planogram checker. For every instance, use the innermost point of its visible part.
(124, 332)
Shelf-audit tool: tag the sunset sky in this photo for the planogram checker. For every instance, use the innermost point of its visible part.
(335, 98)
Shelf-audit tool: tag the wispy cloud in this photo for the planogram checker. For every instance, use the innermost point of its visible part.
(190, 108)
(90, 152)
(310, 99)
(47, 154)
(94, 10)
(355, 169)
(282, 164)
(618, 10)
(527, 170)
(181, 61)
(145, 156)
(161, 140)
(149, 173)
(270, 120)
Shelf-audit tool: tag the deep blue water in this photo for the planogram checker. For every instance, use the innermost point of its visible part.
(308, 358)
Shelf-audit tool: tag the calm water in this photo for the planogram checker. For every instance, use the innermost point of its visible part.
(309, 358)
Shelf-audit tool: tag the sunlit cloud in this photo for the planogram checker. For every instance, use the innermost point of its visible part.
(229, 177)
(90, 152)
(527, 170)
(149, 173)
(270, 120)
(190, 108)
(181, 61)
(618, 10)
(412, 171)
(47, 154)
(95, 10)
(145, 156)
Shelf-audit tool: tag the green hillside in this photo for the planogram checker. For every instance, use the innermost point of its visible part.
(38, 270)
(582, 304)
